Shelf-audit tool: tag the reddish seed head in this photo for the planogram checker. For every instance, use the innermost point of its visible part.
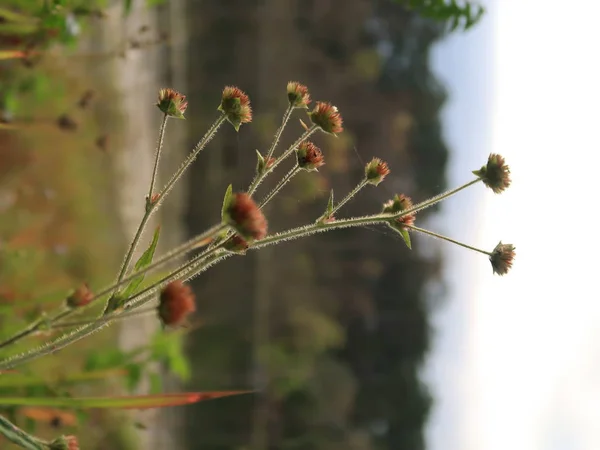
(246, 217)
(172, 103)
(400, 203)
(502, 258)
(376, 171)
(81, 297)
(235, 104)
(495, 174)
(177, 301)
(298, 95)
(326, 117)
(309, 156)
(64, 443)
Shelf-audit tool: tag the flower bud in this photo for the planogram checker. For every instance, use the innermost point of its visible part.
(298, 95)
(495, 174)
(400, 203)
(81, 297)
(376, 171)
(235, 104)
(236, 244)
(309, 156)
(326, 117)
(172, 103)
(502, 258)
(64, 443)
(177, 301)
(245, 216)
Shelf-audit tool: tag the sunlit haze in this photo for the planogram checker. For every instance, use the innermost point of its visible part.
(517, 358)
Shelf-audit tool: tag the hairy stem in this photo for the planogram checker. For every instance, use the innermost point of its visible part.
(260, 177)
(446, 238)
(288, 176)
(284, 121)
(20, 437)
(348, 197)
(161, 137)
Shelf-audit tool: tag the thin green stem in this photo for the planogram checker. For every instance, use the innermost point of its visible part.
(284, 121)
(288, 176)
(161, 137)
(212, 131)
(20, 437)
(446, 238)
(351, 194)
(438, 198)
(260, 177)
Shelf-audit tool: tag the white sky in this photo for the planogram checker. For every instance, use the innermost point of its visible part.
(517, 361)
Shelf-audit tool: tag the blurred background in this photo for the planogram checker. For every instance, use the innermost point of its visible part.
(350, 340)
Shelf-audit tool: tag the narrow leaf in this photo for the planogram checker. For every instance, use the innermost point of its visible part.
(260, 164)
(125, 402)
(226, 200)
(330, 204)
(406, 237)
(144, 261)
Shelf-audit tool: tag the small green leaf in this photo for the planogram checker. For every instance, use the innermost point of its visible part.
(406, 237)
(226, 200)
(260, 164)
(144, 261)
(329, 205)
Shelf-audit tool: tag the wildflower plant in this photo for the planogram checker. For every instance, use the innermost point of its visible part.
(242, 227)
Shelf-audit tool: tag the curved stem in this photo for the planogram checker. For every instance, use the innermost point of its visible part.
(161, 136)
(288, 176)
(446, 238)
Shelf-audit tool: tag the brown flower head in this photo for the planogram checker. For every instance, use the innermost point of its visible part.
(399, 203)
(176, 301)
(495, 174)
(376, 171)
(64, 443)
(235, 104)
(67, 123)
(502, 258)
(298, 95)
(81, 297)
(236, 244)
(245, 216)
(327, 117)
(172, 103)
(309, 156)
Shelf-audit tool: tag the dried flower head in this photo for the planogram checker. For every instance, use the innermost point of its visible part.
(176, 301)
(399, 203)
(245, 216)
(172, 103)
(376, 171)
(81, 297)
(298, 95)
(309, 156)
(64, 443)
(327, 117)
(235, 104)
(67, 123)
(502, 258)
(236, 244)
(495, 174)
